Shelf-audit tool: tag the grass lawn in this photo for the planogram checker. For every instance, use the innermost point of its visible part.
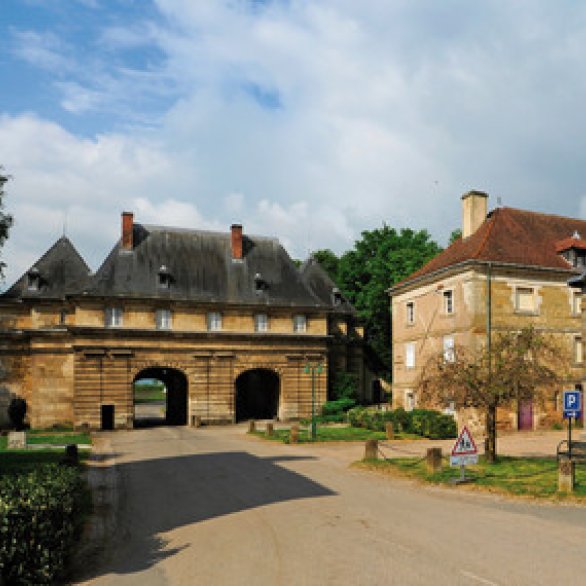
(149, 395)
(332, 434)
(534, 477)
(58, 438)
(23, 461)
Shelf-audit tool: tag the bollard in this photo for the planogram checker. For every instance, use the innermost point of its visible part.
(269, 430)
(434, 460)
(371, 450)
(390, 430)
(566, 475)
(294, 434)
(251, 426)
(196, 421)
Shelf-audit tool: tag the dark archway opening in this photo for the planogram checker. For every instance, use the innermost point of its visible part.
(257, 394)
(160, 397)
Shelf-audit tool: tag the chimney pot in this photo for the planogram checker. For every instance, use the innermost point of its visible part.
(474, 210)
(127, 230)
(236, 231)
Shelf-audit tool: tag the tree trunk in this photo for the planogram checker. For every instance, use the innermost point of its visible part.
(491, 434)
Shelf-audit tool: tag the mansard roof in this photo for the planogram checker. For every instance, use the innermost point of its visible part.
(323, 287)
(198, 266)
(59, 272)
(512, 237)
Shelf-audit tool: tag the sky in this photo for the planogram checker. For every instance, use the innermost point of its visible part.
(305, 120)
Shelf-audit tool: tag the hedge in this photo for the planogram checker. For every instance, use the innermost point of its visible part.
(424, 422)
(41, 514)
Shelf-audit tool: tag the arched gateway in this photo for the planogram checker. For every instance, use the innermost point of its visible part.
(257, 394)
(166, 407)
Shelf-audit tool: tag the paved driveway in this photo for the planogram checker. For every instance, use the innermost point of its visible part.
(213, 507)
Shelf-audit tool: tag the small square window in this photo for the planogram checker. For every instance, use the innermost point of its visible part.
(410, 312)
(261, 322)
(214, 321)
(576, 303)
(163, 319)
(113, 317)
(299, 323)
(524, 300)
(448, 297)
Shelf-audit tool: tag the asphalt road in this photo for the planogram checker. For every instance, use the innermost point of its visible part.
(215, 507)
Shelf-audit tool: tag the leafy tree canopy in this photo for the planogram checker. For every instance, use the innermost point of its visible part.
(519, 365)
(5, 219)
(380, 259)
(455, 235)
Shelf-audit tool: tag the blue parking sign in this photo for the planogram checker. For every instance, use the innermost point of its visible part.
(572, 404)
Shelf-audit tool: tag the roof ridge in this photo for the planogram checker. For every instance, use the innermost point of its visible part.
(542, 214)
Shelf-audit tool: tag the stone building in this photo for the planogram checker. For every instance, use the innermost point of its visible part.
(225, 320)
(510, 269)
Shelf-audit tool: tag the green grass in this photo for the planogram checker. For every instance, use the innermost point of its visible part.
(57, 438)
(23, 461)
(149, 395)
(331, 434)
(533, 477)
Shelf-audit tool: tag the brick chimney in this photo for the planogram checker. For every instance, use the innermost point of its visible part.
(127, 229)
(236, 230)
(474, 210)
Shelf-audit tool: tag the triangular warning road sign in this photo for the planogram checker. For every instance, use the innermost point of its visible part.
(464, 445)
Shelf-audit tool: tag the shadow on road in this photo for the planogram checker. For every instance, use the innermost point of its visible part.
(164, 494)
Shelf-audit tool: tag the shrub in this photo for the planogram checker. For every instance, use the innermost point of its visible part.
(337, 407)
(345, 386)
(40, 516)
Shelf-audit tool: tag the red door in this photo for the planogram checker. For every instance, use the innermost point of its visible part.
(526, 415)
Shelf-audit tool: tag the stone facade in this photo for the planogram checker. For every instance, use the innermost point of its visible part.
(74, 366)
(449, 306)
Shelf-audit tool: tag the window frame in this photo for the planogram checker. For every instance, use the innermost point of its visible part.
(449, 350)
(214, 321)
(410, 352)
(525, 289)
(300, 323)
(449, 306)
(113, 316)
(577, 350)
(165, 323)
(576, 303)
(410, 312)
(261, 322)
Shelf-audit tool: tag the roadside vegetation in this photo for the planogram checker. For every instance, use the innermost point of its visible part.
(530, 477)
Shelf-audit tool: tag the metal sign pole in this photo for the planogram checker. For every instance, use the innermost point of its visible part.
(570, 438)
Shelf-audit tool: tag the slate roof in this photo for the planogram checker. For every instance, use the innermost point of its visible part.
(201, 268)
(323, 287)
(510, 236)
(61, 271)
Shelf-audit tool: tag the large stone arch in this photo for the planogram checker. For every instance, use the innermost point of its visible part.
(257, 393)
(176, 383)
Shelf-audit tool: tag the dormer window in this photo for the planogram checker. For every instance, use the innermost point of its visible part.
(165, 278)
(259, 283)
(34, 279)
(337, 297)
(573, 249)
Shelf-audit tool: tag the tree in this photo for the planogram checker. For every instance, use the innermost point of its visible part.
(379, 260)
(519, 365)
(328, 261)
(455, 235)
(5, 219)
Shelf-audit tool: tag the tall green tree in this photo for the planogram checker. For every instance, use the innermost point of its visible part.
(328, 261)
(380, 259)
(5, 219)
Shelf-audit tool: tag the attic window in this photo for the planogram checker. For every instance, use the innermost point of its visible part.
(336, 297)
(34, 279)
(165, 278)
(259, 283)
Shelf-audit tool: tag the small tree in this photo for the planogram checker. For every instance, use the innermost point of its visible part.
(518, 366)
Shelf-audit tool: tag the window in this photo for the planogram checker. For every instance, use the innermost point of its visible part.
(449, 355)
(214, 321)
(410, 355)
(410, 312)
(409, 401)
(261, 322)
(578, 350)
(524, 300)
(576, 303)
(113, 317)
(163, 319)
(448, 297)
(299, 323)
(165, 277)
(34, 279)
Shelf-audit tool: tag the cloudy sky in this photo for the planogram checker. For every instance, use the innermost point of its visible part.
(308, 120)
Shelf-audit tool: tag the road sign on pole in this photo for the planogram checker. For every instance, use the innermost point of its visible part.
(572, 404)
(464, 451)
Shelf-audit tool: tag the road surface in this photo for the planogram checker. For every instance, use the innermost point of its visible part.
(212, 506)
